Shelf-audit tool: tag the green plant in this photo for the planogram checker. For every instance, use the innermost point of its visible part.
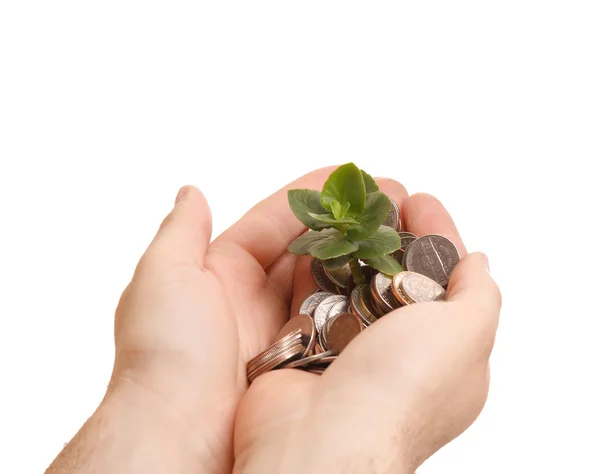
(346, 223)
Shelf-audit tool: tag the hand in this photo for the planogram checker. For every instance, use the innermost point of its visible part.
(194, 313)
(402, 389)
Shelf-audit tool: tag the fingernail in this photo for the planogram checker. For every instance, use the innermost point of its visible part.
(486, 262)
(181, 194)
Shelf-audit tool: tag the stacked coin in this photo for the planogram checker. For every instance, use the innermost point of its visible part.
(330, 318)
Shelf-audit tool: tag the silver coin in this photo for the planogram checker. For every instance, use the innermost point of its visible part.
(358, 305)
(433, 256)
(393, 218)
(309, 304)
(340, 276)
(383, 286)
(322, 310)
(421, 289)
(320, 278)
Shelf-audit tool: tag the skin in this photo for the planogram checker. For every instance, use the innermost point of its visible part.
(195, 312)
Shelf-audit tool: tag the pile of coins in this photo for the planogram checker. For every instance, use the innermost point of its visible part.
(330, 318)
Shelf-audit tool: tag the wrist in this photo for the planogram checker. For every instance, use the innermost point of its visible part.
(132, 432)
(165, 431)
(329, 445)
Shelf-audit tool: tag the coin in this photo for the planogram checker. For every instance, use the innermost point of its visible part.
(273, 351)
(378, 305)
(433, 256)
(308, 360)
(340, 276)
(328, 321)
(309, 304)
(281, 358)
(317, 371)
(268, 359)
(420, 289)
(367, 303)
(342, 329)
(320, 278)
(325, 360)
(358, 307)
(393, 218)
(378, 308)
(322, 341)
(307, 327)
(406, 238)
(322, 310)
(339, 307)
(295, 335)
(381, 291)
(397, 288)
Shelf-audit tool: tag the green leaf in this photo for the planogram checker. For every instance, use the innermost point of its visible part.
(336, 209)
(370, 184)
(334, 248)
(346, 186)
(335, 263)
(387, 265)
(306, 242)
(383, 241)
(325, 244)
(376, 210)
(329, 219)
(303, 201)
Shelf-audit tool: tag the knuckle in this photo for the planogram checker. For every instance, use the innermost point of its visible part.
(479, 327)
(486, 337)
(166, 221)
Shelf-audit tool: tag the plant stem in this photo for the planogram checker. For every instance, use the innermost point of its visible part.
(357, 274)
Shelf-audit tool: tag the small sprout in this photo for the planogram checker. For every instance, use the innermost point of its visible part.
(346, 223)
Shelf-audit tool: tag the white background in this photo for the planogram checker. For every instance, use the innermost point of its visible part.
(107, 108)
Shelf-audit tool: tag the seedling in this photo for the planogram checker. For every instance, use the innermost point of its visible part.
(346, 223)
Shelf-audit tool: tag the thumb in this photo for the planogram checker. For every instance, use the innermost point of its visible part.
(184, 234)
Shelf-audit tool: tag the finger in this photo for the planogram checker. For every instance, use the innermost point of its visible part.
(268, 228)
(477, 299)
(423, 214)
(394, 190)
(184, 235)
(472, 285)
(281, 275)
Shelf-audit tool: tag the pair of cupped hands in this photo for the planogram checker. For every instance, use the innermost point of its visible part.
(196, 311)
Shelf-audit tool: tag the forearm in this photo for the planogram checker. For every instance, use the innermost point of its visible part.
(128, 435)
